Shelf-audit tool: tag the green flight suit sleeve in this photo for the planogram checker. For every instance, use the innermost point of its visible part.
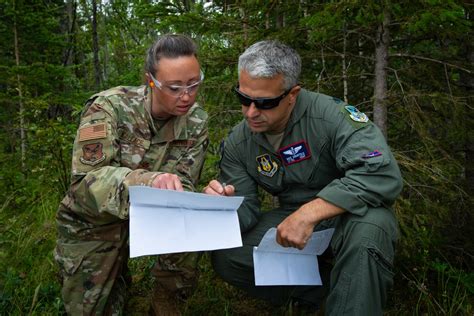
(371, 174)
(99, 183)
(233, 171)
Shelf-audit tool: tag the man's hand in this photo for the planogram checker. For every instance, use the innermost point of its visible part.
(167, 181)
(216, 188)
(297, 228)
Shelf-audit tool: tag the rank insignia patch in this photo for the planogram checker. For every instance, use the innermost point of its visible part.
(372, 154)
(92, 154)
(356, 115)
(295, 153)
(266, 166)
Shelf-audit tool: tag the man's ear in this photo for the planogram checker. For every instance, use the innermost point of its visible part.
(294, 94)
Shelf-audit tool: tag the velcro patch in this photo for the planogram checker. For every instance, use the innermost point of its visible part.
(266, 165)
(92, 154)
(94, 131)
(356, 115)
(184, 143)
(294, 153)
(372, 154)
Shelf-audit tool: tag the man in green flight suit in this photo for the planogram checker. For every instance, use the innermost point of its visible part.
(328, 166)
(152, 135)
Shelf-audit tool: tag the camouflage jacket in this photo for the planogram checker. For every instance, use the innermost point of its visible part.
(119, 144)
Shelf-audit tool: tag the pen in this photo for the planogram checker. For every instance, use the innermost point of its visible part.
(223, 184)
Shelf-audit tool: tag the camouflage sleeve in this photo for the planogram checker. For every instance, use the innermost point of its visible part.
(99, 183)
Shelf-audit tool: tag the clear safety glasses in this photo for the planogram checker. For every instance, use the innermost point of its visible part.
(178, 91)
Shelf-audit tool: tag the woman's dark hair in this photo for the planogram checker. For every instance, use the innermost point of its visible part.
(169, 46)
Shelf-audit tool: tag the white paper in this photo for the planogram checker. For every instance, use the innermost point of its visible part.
(277, 265)
(166, 221)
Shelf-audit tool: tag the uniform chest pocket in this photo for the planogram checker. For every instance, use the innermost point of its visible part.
(132, 150)
(316, 171)
(178, 156)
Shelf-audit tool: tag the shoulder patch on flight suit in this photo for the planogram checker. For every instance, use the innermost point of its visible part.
(266, 166)
(92, 154)
(295, 153)
(356, 115)
(94, 131)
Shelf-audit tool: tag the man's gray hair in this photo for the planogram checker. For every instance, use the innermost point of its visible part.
(267, 59)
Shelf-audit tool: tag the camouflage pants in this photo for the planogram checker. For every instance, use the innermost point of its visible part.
(95, 275)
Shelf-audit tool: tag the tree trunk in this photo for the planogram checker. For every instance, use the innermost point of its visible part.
(280, 16)
(344, 66)
(68, 29)
(20, 95)
(467, 82)
(244, 25)
(105, 59)
(95, 47)
(381, 63)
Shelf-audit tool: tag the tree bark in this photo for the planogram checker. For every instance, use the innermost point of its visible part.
(344, 66)
(20, 96)
(381, 62)
(68, 27)
(467, 82)
(95, 47)
(245, 25)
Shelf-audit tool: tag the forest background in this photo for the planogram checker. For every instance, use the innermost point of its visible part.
(407, 64)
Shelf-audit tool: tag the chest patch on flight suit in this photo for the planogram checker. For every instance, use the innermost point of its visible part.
(356, 115)
(266, 166)
(295, 153)
(372, 154)
(92, 154)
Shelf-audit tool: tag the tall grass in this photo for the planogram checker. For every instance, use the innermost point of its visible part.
(29, 282)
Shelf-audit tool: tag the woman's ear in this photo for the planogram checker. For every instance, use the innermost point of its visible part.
(150, 81)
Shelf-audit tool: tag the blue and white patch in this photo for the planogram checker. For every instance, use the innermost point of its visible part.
(356, 115)
(372, 154)
(294, 153)
(266, 166)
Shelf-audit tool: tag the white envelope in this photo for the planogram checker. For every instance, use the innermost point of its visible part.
(277, 265)
(166, 221)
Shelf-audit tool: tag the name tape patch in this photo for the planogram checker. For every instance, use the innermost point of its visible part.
(294, 153)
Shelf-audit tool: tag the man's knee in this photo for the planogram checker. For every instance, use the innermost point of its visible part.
(376, 233)
(234, 265)
(222, 263)
(376, 224)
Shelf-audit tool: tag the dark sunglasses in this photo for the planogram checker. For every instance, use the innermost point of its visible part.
(260, 103)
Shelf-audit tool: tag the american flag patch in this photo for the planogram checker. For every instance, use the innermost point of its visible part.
(94, 131)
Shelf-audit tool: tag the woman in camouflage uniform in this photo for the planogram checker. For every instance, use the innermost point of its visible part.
(153, 135)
